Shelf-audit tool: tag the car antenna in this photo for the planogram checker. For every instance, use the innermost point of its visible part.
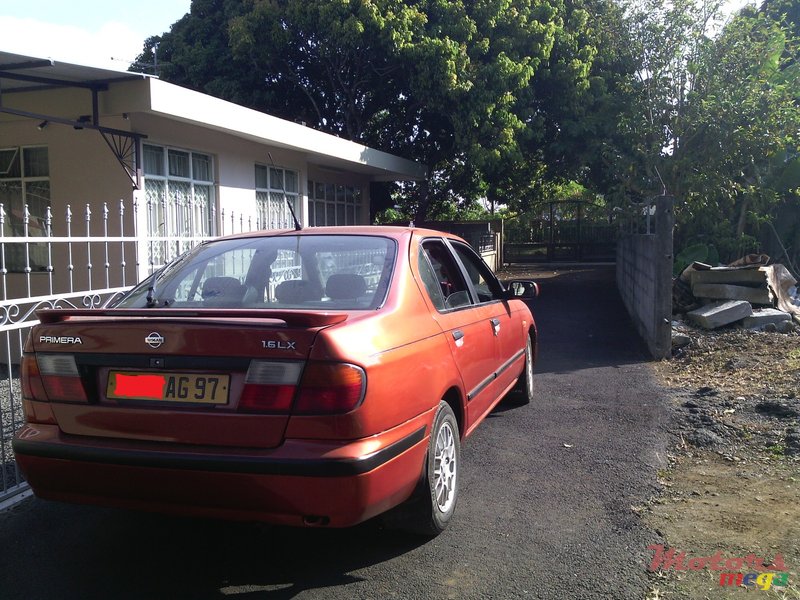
(297, 226)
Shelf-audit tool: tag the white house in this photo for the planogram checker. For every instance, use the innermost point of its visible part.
(102, 157)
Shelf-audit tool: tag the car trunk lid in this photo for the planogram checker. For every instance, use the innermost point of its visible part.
(182, 376)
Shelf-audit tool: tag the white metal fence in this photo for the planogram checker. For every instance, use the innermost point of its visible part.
(72, 260)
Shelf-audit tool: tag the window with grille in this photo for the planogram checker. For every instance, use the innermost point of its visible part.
(330, 204)
(25, 197)
(179, 191)
(276, 189)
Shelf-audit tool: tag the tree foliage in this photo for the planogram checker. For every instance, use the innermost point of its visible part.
(511, 100)
(713, 111)
(453, 84)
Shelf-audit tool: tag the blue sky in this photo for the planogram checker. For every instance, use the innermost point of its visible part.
(85, 31)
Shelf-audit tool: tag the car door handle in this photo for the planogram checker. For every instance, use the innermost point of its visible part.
(458, 335)
(495, 326)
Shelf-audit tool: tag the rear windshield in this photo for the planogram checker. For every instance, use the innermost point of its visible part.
(344, 272)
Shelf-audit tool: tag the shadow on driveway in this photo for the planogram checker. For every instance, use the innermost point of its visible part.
(581, 319)
(60, 551)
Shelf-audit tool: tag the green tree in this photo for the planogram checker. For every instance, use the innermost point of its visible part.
(744, 116)
(448, 83)
(711, 116)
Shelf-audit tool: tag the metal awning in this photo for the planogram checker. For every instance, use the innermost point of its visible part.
(19, 73)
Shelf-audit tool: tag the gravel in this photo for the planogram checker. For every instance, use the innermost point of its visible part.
(11, 418)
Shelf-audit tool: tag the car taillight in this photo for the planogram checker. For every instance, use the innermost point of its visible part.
(270, 386)
(31, 379)
(53, 377)
(330, 388)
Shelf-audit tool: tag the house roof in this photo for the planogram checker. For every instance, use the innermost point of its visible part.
(323, 149)
(21, 73)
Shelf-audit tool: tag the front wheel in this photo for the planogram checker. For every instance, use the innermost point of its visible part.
(522, 392)
(431, 508)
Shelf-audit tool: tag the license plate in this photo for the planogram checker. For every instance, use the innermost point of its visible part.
(168, 387)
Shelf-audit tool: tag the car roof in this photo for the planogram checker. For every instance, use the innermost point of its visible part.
(391, 231)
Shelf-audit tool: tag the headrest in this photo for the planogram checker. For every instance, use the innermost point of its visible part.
(294, 291)
(222, 287)
(345, 286)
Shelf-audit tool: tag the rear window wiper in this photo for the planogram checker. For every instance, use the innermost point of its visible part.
(152, 301)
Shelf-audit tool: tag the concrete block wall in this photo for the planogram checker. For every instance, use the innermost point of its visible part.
(644, 278)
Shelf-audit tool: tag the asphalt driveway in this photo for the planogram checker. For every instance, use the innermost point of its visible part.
(546, 505)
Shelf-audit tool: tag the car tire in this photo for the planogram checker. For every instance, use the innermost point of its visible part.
(432, 505)
(522, 392)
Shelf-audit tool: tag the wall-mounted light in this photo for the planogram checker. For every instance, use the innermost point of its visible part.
(81, 120)
(42, 125)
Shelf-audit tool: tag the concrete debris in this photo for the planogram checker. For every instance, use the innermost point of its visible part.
(782, 327)
(722, 291)
(680, 340)
(718, 314)
(713, 297)
(762, 317)
(750, 277)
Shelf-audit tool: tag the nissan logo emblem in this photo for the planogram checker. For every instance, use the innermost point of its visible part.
(154, 340)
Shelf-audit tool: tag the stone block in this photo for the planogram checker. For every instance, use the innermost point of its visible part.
(718, 314)
(721, 291)
(762, 317)
(726, 275)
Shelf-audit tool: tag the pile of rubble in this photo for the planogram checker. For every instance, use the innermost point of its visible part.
(736, 360)
(748, 293)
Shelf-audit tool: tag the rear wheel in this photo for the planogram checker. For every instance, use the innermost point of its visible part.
(522, 392)
(432, 506)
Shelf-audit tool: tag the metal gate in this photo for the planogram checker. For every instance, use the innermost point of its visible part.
(562, 231)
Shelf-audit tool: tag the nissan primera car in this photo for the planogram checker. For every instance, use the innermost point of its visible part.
(310, 378)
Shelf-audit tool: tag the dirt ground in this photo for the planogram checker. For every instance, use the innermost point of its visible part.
(734, 481)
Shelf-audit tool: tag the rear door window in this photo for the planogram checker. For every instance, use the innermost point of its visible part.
(442, 277)
(485, 284)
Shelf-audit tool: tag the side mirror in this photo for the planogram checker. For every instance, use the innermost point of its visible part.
(522, 288)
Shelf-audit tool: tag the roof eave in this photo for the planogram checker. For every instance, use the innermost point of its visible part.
(188, 106)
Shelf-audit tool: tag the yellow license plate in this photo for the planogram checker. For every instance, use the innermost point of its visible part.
(168, 387)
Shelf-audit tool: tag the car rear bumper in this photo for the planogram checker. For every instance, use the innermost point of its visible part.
(302, 482)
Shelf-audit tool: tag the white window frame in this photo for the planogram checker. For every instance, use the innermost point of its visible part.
(31, 257)
(280, 186)
(334, 204)
(176, 224)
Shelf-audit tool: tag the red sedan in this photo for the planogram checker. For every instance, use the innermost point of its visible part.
(316, 377)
